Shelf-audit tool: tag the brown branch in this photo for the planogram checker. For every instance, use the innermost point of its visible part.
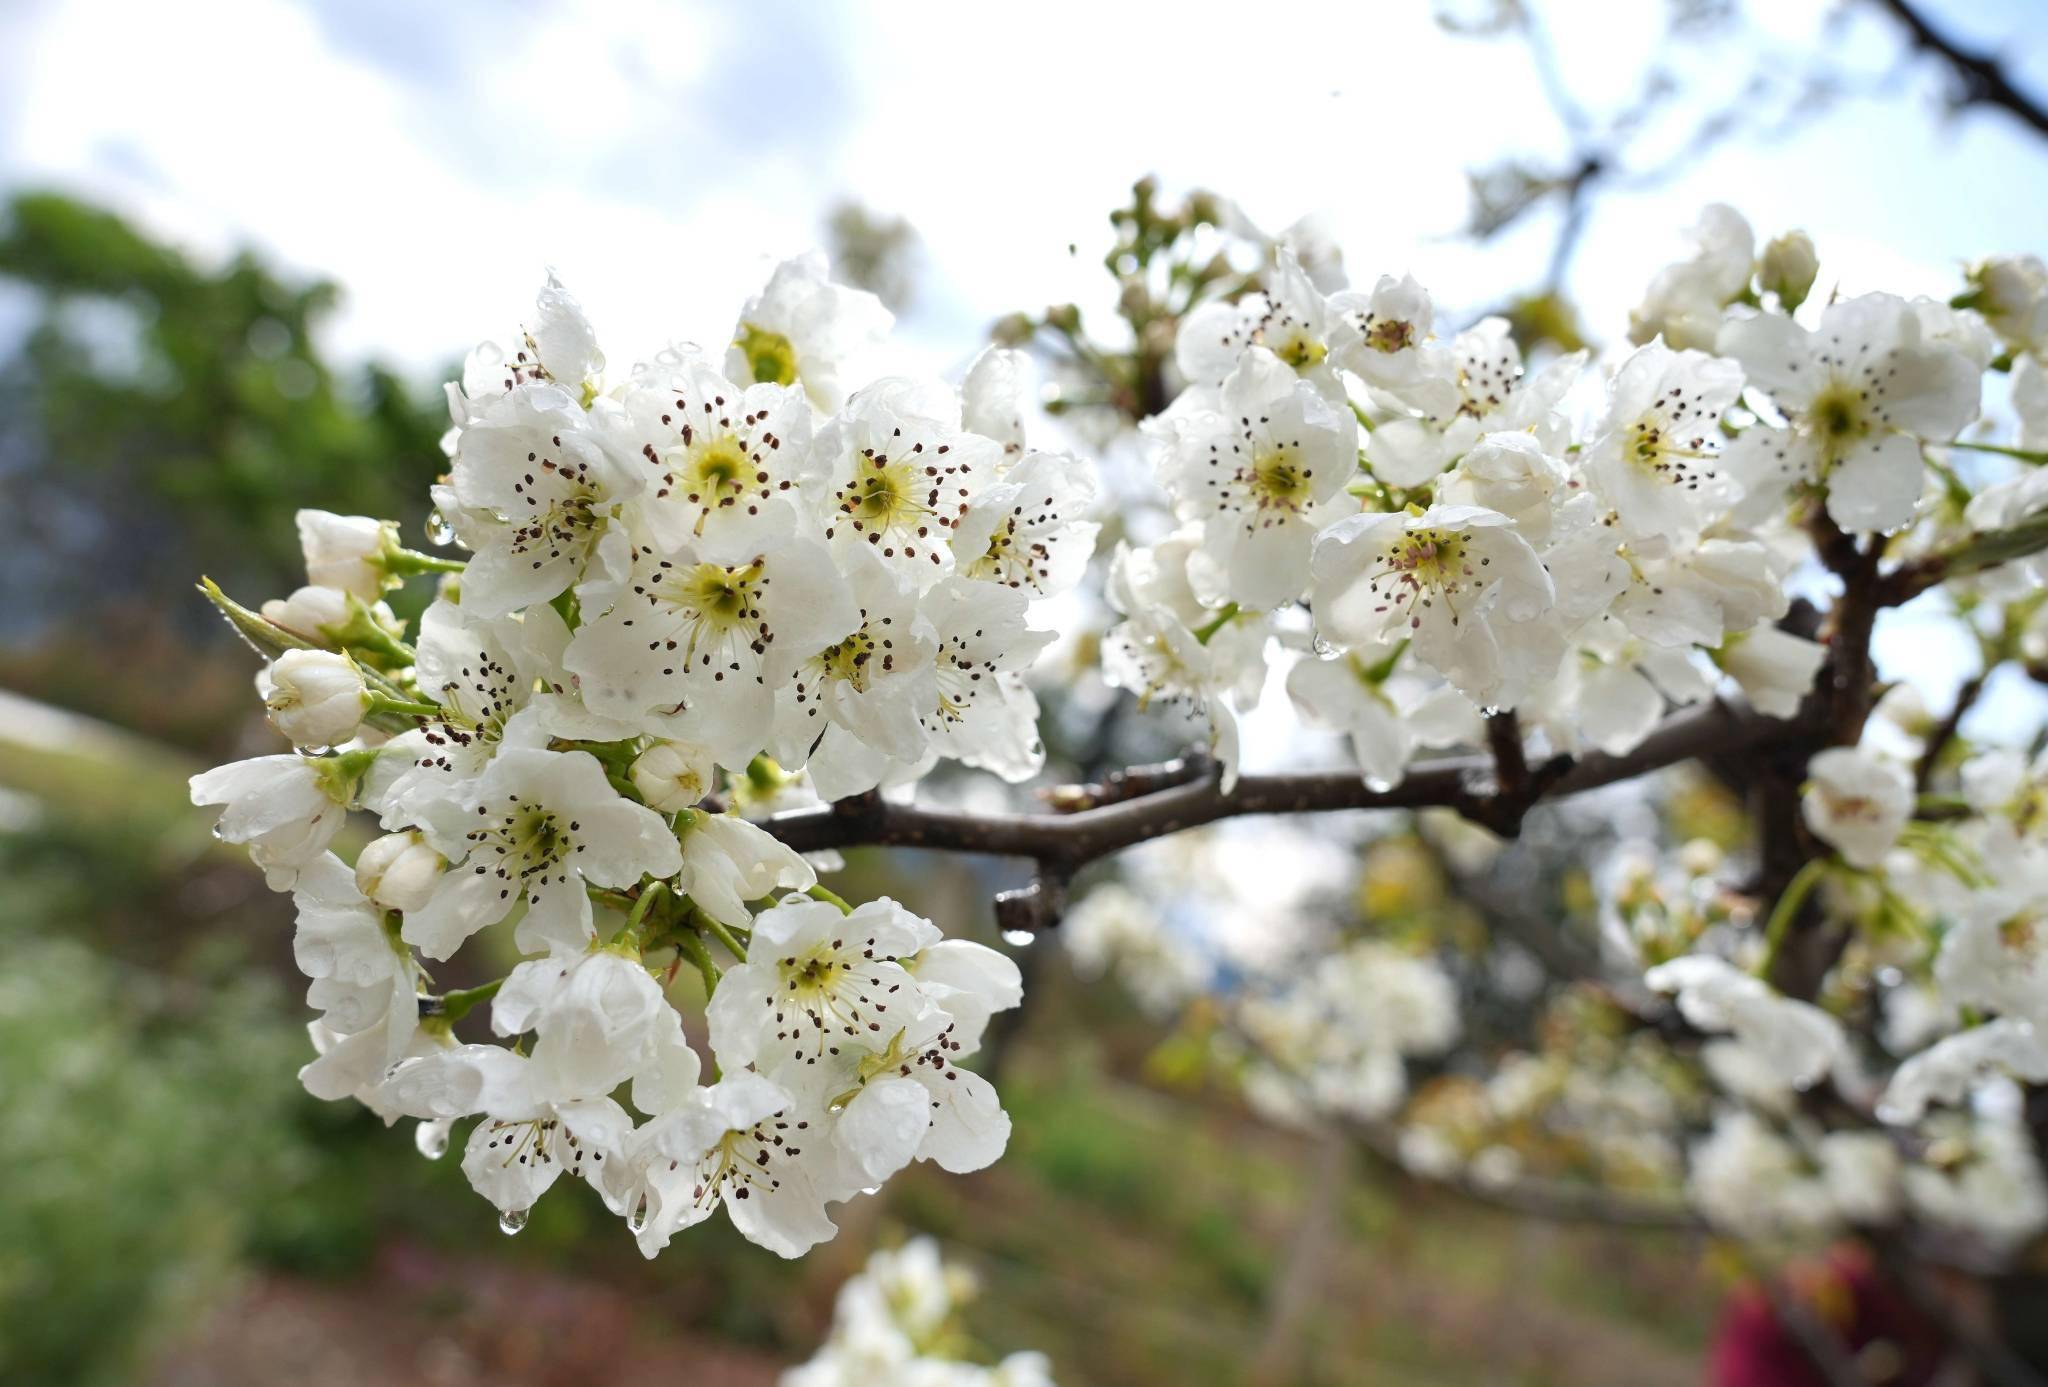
(1063, 843)
(1980, 79)
(1944, 733)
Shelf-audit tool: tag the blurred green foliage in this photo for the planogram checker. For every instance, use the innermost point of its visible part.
(164, 417)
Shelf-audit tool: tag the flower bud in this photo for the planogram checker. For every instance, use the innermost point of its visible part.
(2011, 291)
(326, 615)
(317, 697)
(672, 776)
(346, 551)
(1788, 268)
(398, 871)
(309, 612)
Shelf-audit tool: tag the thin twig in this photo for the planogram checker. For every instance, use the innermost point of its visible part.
(1062, 843)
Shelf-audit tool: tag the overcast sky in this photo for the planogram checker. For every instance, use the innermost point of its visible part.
(435, 158)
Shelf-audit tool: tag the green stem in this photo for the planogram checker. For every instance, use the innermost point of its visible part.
(822, 893)
(719, 932)
(406, 562)
(1364, 420)
(1787, 910)
(638, 913)
(456, 1005)
(2039, 459)
(402, 707)
(1223, 619)
(692, 948)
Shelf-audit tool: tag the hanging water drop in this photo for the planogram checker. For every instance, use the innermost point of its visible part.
(432, 1139)
(438, 528)
(511, 1221)
(636, 1222)
(1018, 938)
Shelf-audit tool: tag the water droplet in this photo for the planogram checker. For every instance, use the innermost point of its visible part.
(1324, 650)
(1378, 785)
(432, 1139)
(511, 1221)
(872, 1189)
(835, 1106)
(315, 750)
(218, 835)
(1018, 938)
(636, 1222)
(438, 528)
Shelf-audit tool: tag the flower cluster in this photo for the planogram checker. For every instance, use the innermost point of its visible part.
(718, 581)
(898, 1322)
(706, 573)
(1470, 535)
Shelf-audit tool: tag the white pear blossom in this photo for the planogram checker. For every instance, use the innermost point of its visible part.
(525, 1141)
(1457, 581)
(1388, 717)
(855, 706)
(1653, 456)
(1387, 338)
(1025, 531)
(2011, 291)
(1863, 393)
(1774, 669)
(728, 862)
(1857, 801)
(1290, 320)
(1172, 645)
(534, 828)
(1259, 466)
(802, 329)
(546, 485)
(908, 1101)
(711, 641)
(363, 977)
(1990, 1185)
(1799, 1039)
(1685, 301)
(723, 460)
(1947, 1070)
(286, 809)
(597, 1018)
(992, 398)
(887, 476)
(745, 1143)
(816, 983)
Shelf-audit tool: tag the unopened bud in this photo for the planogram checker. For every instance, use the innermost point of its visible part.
(1788, 267)
(672, 776)
(346, 551)
(317, 697)
(398, 871)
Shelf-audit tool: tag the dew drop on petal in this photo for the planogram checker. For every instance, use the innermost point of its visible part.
(511, 1221)
(432, 1139)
